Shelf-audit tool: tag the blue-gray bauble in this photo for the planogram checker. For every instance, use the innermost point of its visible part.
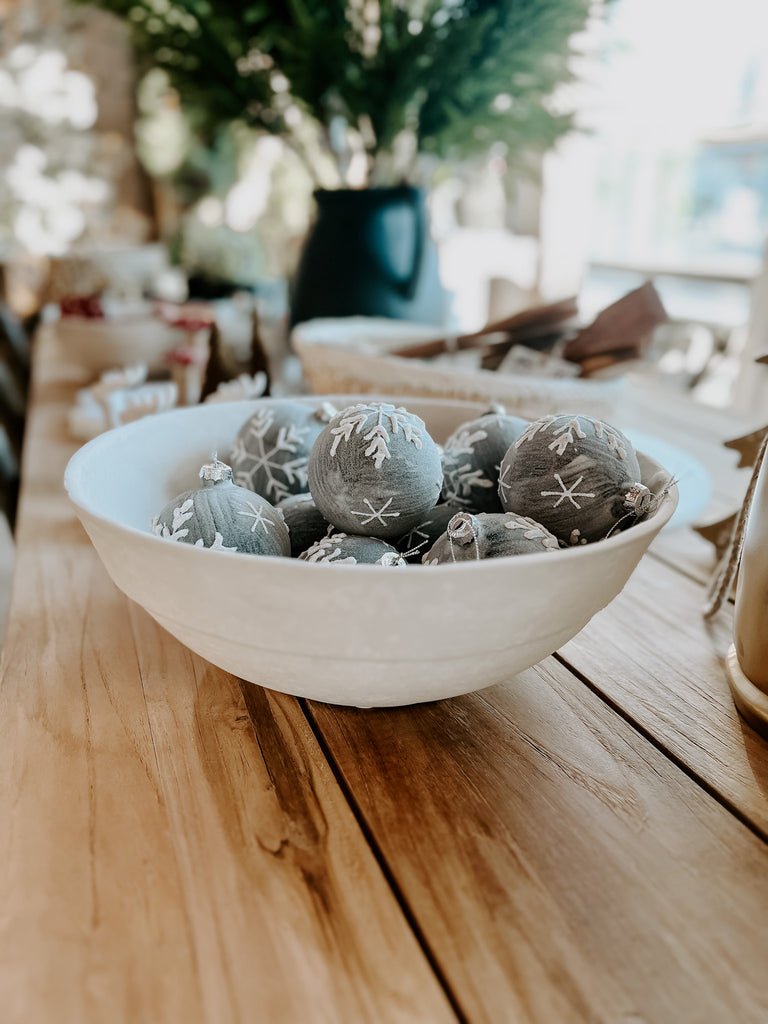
(271, 450)
(375, 471)
(471, 459)
(305, 522)
(489, 535)
(224, 517)
(342, 549)
(574, 474)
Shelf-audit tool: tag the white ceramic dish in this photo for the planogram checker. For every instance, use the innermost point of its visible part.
(357, 635)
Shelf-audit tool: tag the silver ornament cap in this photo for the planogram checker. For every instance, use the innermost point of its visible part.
(638, 499)
(463, 528)
(215, 472)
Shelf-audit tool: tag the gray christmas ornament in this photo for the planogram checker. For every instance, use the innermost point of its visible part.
(342, 549)
(489, 535)
(271, 450)
(375, 470)
(576, 475)
(223, 517)
(305, 522)
(423, 535)
(472, 457)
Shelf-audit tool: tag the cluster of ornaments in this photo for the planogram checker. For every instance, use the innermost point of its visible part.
(367, 484)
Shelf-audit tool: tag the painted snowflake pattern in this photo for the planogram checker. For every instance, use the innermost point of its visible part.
(613, 438)
(504, 484)
(257, 515)
(568, 433)
(374, 515)
(218, 544)
(417, 538)
(327, 550)
(463, 441)
(387, 421)
(567, 492)
(262, 455)
(181, 515)
(460, 480)
(533, 531)
(533, 428)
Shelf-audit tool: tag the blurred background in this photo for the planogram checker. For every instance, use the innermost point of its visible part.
(159, 159)
(664, 177)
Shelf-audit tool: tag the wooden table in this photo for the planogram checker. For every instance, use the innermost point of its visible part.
(585, 843)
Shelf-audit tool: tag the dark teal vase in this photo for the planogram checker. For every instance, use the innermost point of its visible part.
(369, 253)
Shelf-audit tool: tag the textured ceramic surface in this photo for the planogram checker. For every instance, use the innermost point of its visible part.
(358, 635)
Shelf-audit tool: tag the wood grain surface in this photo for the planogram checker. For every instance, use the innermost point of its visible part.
(166, 857)
(651, 654)
(560, 866)
(585, 843)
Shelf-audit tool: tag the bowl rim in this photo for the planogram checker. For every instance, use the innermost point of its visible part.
(653, 524)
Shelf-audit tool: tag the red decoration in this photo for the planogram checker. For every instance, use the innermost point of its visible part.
(88, 306)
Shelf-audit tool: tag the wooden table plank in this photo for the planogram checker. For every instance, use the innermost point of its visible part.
(561, 868)
(163, 859)
(651, 654)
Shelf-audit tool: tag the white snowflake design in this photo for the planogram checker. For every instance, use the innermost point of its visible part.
(388, 421)
(613, 438)
(463, 441)
(327, 550)
(503, 485)
(372, 514)
(568, 433)
(460, 480)
(533, 428)
(282, 474)
(181, 515)
(218, 544)
(411, 544)
(257, 515)
(533, 530)
(567, 492)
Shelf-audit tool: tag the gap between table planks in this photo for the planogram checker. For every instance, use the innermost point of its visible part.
(163, 859)
(561, 867)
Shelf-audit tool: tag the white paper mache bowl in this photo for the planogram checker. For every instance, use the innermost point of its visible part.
(359, 635)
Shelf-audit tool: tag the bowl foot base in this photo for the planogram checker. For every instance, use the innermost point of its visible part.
(751, 701)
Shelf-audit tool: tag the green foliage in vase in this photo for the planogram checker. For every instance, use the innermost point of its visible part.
(444, 77)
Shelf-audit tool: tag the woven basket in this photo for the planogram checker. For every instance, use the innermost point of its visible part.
(351, 358)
